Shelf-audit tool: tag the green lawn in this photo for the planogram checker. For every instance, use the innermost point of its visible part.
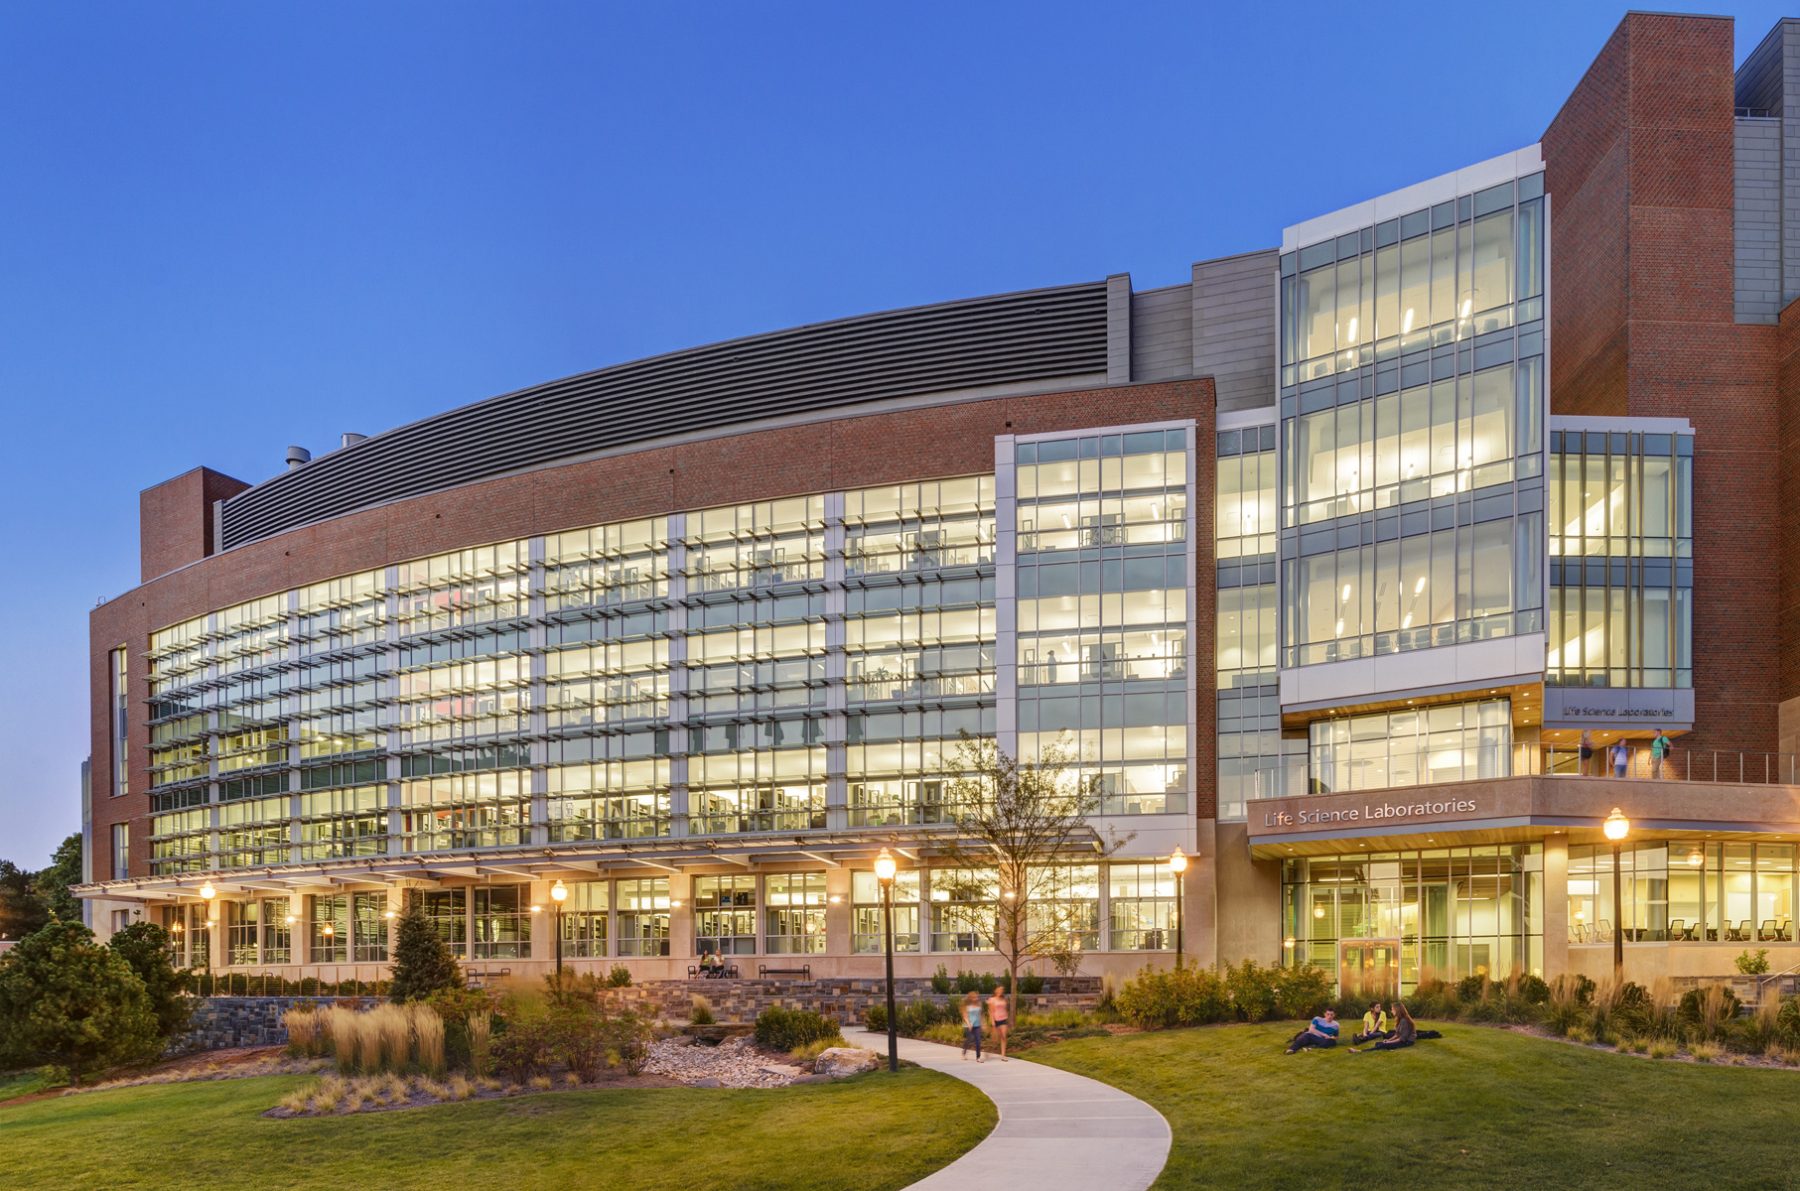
(21, 1083)
(877, 1131)
(1481, 1107)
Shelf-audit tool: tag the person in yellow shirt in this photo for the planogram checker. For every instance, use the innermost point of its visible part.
(1374, 1024)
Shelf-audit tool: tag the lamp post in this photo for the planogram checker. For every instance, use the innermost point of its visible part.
(1617, 827)
(558, 892)
(885, 870)
(1178, 863)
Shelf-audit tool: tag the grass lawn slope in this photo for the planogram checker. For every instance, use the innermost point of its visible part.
(1480, 1108)
(867, 1134)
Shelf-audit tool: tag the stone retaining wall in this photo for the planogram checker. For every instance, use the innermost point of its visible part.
(221, 1022)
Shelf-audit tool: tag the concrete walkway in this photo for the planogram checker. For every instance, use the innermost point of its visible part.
(1057, 1130)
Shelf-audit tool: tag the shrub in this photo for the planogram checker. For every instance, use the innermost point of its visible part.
(524, 1049)
(1704, 1011)
(1300, 991)
(1662, 1048)
(1527, 989)
(701, 1014)
(1252, 990)
(303, 1033)
(913, 1020)
(579, 1038)
(70, 1001)
(940, 980)
(1472, 988)
(628, 1042)
(1432, 997)
(1703, 1052)
(1623, 1010)
(619, 977)
(1753, 964)
(785, 1029)
(145, 946)
(1160, 998)
(1031, 984)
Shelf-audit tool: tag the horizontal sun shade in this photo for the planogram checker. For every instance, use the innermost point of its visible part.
(1009, 339)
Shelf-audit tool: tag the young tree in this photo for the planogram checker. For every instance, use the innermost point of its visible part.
(52, 884)
(69, 1001)
(145, 946)
(423, 963)
(1025, 821)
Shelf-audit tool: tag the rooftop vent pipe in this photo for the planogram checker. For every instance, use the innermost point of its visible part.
(351, 438)
(298, 457)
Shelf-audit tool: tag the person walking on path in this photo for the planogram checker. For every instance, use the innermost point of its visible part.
(1000, 1014)
(971, 1014)
(1659, 748)
(1621, 758)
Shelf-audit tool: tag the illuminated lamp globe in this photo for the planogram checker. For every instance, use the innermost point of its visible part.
(1178, 862)
(885, 868)
(1617, 826)
(558, 891)
(208, 892)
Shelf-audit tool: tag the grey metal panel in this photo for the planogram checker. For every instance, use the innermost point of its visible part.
(1757, 220)
(1006, 339)
(1162, 334)
(1234, 327)
(1759, 85)
(1118, 329)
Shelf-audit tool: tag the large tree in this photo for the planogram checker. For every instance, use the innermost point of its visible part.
(52, 884)
(1024, 821)
(145, 946)
(69, 1001)
(22, 911)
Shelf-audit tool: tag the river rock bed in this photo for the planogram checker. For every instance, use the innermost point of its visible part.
(733, 1063)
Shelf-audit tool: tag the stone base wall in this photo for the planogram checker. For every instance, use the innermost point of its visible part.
(221, 1022)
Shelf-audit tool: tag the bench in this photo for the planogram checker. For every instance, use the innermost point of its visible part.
(479, 977)
(804, 971)
(725, 972)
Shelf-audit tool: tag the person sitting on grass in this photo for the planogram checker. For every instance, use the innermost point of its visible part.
(1405, 1032)
(1321, 1033)
(1374, 1024)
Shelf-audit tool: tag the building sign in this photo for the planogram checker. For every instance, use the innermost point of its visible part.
(1612, 707)
(1380, 812)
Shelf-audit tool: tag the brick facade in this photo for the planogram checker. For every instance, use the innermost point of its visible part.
(880, 448)
(175, 522)
(1640, 169)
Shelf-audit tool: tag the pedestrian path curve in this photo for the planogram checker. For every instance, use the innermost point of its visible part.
(1057, 1130)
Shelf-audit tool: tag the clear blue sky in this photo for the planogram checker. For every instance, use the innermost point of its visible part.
(227, 227)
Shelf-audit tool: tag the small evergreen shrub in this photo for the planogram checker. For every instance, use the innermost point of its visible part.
(1031, 984)
(525, 1049)
(1300, 991)
(785, 1029)
(423, 963)
(619, 977)
(940, 980)
(1252, 990)
(1753, 964)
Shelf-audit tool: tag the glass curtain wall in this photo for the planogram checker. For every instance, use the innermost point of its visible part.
(1451, 912)
(1689, 891)
(1412, 423)
(1104, 589)
(1254, 761)
(1455, 742)
(1621, 559)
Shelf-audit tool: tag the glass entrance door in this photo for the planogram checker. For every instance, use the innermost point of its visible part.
(1369, 969)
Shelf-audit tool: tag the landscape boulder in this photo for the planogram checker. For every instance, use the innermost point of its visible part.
(842, 1061)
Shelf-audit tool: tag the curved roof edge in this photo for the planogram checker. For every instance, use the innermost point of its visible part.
(1026, 337)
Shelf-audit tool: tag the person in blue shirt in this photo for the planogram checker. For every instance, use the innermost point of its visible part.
(1321, 1033)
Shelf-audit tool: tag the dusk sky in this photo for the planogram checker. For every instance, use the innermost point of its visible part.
(227, 227)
